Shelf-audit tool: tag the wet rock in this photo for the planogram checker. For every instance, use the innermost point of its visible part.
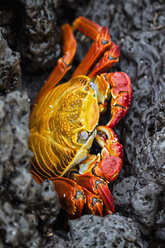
(39, 34)
(8, 19)
(19, 228)
(54, 242)
(110, 231)
(24, 205)
(123, 191)
(14, 132)
(10, 70)
(145, 203)
(150, 164)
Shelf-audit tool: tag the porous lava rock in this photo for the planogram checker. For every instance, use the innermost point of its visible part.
(39, 34)
(26, 208)
(10, 70)
(110, 231)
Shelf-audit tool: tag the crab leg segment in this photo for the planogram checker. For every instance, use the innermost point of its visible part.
(98, 187)
(109, 165)
(94, 205)
(87, 27)
(71, 195)
(121, 93)
(101, 43)
(109, 58)
(63, 63)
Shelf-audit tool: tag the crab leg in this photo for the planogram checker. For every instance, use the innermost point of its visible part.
(73, 197)
(101, 43)
(109, 58)
(98, 187)
(63, 63)
(109, 165)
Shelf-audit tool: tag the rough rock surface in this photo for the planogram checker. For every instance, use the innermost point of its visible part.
(27, 210)
(110, 231)
(10, 70)
(24, 205)
(39, 34)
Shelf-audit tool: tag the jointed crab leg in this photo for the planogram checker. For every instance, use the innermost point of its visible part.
(73, 197)
(98, 187)
(63, 63)
(109, 165)
(108, 59)
(101, 43)
(111, 155)
(87, 27)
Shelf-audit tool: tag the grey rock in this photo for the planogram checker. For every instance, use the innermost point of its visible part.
(145, 203)
(10, 70)
(110, 231)
(39, 34)
(123, 191)
(24, 204)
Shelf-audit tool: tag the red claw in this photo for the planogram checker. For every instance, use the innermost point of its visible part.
(121, 92)
(109, 168)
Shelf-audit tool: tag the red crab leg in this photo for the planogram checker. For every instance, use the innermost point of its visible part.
(109, 58)
(94, 204)
(71, 195)
(98, 187)
(63, 63)
(101, 43)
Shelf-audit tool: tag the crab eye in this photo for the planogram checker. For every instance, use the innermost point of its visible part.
(82, 136)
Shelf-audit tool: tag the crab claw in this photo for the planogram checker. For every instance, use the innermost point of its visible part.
(121, 92)
(98, 187)
(111, 155)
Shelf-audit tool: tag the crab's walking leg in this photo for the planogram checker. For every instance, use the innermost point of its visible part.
(108, 59)
(73, 197)
(63, 63)
(101, 43)
(98, 187)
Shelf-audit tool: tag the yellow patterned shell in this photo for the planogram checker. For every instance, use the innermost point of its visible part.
(55, 125)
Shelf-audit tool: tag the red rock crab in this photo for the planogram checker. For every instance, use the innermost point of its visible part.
(64, 122)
